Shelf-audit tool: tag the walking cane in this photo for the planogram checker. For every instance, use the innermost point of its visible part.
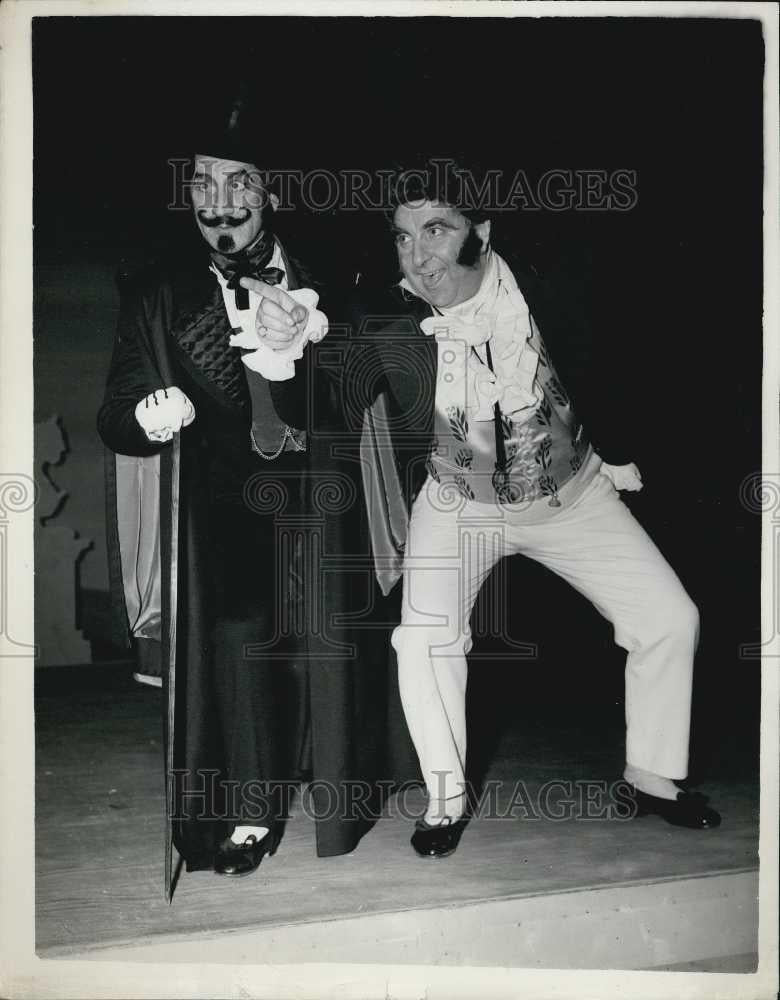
(163, 376)
(171, 666)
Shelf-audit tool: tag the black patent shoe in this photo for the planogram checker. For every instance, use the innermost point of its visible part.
(236, 860)
(437, 841)
(689, 809)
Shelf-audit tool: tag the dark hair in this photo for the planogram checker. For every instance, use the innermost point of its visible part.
(439, 179)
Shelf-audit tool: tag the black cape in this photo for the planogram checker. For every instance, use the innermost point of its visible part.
(330, 708)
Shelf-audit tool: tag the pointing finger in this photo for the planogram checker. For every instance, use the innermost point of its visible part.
(274, 316)
(272, 292)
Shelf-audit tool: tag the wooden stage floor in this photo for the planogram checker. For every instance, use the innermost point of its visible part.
(99, 837)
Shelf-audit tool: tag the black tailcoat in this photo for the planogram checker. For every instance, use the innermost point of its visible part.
(305, 700)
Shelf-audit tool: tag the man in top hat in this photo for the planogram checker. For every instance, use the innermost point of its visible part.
(205, 488)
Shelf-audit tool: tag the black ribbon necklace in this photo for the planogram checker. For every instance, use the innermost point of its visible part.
(500, 478)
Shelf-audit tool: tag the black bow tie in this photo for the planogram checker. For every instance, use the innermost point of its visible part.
(249, 264)
(270, 275)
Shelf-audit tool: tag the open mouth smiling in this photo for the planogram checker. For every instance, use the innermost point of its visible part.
(430, 278)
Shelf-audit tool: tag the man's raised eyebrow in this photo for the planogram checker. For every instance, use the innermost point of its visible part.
(205, 174)
(398, 231)
(439, 222)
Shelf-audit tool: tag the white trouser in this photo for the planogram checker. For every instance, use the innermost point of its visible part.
(598, 546)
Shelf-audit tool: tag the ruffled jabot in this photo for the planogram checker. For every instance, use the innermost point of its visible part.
(497, 313)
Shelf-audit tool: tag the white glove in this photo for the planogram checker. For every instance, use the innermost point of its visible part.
(623, 477)
(163, 412)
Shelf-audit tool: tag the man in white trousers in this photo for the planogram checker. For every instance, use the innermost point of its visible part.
(494, 461)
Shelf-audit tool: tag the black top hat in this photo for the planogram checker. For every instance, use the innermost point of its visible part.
(221, 121)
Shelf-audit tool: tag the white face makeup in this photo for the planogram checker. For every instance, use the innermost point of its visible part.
(228, 201)
(429, 237)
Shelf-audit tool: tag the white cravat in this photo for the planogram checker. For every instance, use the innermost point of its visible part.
(499, 313)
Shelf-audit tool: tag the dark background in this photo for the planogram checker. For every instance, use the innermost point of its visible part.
(673, 286)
